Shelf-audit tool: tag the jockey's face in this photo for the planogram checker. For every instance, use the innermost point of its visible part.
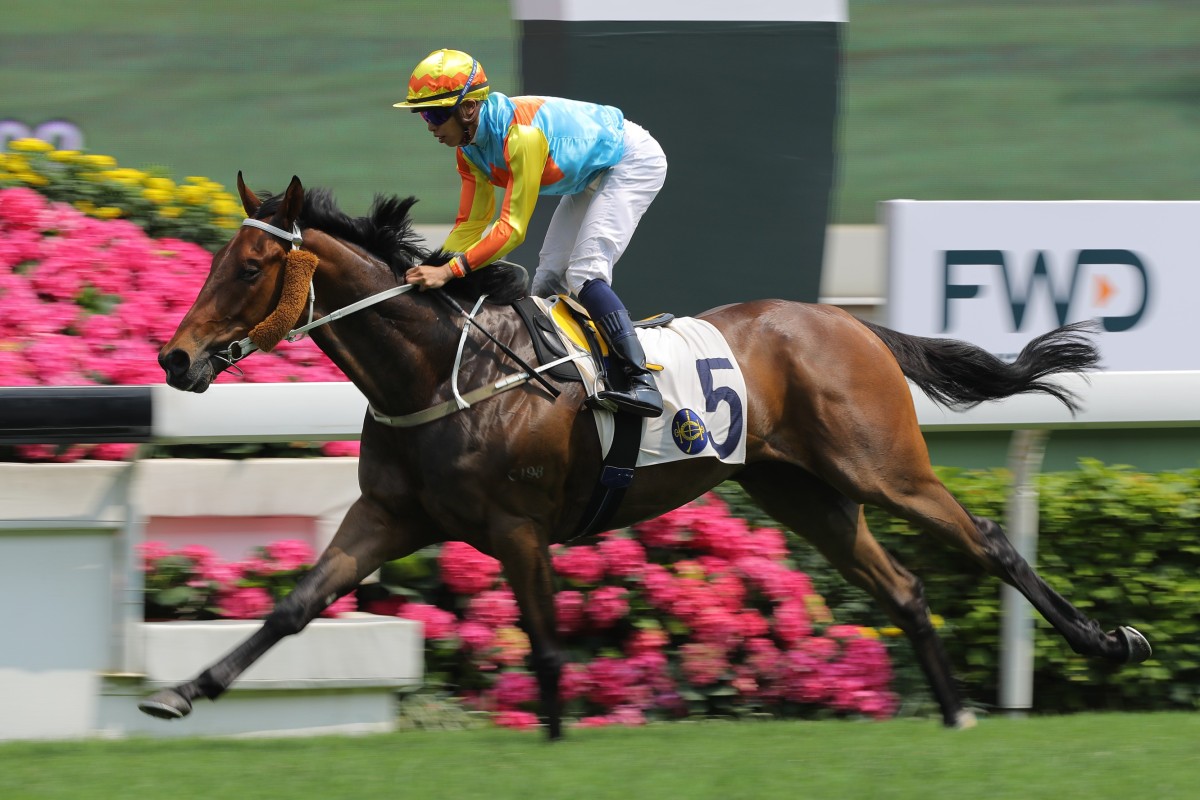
(453, 131)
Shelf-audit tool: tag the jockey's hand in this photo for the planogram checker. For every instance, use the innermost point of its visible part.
(428, 277)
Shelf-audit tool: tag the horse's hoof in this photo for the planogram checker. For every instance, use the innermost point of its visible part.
(1137, 648)
(965, 720)
(167, 704)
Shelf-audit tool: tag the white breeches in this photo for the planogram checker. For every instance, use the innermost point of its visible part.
(590, 230)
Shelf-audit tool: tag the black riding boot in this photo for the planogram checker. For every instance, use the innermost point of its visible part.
(641, 397)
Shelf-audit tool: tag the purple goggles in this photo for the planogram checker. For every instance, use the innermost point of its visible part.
(437, 116)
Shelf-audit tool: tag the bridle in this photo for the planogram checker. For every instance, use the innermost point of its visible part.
(244, 347)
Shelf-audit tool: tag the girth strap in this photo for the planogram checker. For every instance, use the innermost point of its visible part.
(615, 476)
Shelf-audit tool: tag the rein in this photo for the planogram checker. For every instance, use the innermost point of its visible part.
(244, 347)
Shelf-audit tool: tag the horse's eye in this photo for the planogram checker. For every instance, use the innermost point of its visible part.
(249, 272)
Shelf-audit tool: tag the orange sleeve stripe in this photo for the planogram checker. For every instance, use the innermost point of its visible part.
(525, 109)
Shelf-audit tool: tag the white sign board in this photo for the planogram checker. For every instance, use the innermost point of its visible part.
(997, 274)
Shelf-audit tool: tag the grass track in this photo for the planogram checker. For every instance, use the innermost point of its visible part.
(1088, 755)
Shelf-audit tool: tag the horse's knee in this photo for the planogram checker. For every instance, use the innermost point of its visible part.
(288, 618)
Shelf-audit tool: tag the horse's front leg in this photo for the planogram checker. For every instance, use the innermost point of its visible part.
(367, 537)
(525, 557)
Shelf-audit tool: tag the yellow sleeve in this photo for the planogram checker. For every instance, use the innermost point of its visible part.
(476, 205)
(526, 150)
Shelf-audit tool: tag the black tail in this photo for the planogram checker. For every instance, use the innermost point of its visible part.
(956, 374)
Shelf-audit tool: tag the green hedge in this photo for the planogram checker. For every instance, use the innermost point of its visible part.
(1123, 546)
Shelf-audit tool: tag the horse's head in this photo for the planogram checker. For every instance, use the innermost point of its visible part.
(255, 284)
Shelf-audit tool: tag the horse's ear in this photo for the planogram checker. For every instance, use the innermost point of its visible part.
(250, 200)
(293, 203)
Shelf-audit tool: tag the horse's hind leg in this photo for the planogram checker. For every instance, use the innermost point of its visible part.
(367, 537)
(835, 525)
(902, 483)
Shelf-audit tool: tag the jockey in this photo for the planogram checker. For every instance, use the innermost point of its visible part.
(606, 169)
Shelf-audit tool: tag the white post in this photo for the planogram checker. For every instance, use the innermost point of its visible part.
(1025, 452)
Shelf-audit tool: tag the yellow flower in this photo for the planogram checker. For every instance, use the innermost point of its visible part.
(226, 208)
(65, 156)
(229, 222)
(29, 145)
(170, 211)
(937, 620)
(99, 161)
(14, 162)
(891, 631)
(86, 206)
(162, 184)
(158, 196)
(32, 178)
(108, 212)
(129, 177)
(868, 633)
(192, 195)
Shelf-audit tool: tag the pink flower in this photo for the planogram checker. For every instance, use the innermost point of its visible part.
(465, 570)
(615, 682)
(513, 690)
(659, 586)
(792, 623)
(289, 554)
(203, 557)
(439, 624)
(476, 637)
(495, 608)
(576, 681)
(623, 558)
(113, 451)
(569, 612)
(703, 664)
(341, 449)
(646, 640)
(251, 602)
(150, 551)
(221, 573)
(581, 564)
(607, 605)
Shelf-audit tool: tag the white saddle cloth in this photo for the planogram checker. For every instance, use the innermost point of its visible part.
(704, 394)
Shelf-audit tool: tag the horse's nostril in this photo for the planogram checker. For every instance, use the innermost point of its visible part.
(175, 362)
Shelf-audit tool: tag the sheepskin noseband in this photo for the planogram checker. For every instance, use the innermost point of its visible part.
(298, 271)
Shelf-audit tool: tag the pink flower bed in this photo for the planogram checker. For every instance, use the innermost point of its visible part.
(192, 583)
(692, 612)
(89, 301)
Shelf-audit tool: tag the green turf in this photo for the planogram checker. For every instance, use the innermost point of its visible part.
(1088, 755)
(942, 99)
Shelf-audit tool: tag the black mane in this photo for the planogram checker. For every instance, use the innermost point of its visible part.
(386, 232)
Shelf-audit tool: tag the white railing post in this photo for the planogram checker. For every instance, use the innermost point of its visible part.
(1025, 452)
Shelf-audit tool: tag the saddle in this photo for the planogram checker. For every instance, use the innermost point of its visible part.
(570, 319)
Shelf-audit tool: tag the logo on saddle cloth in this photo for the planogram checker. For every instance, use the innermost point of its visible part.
(688, 431)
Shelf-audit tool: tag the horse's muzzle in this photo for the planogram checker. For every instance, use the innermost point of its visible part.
(185, 373)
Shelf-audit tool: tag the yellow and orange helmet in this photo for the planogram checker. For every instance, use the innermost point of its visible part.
(443, 79)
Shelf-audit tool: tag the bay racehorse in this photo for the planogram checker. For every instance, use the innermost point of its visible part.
(829, 418)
